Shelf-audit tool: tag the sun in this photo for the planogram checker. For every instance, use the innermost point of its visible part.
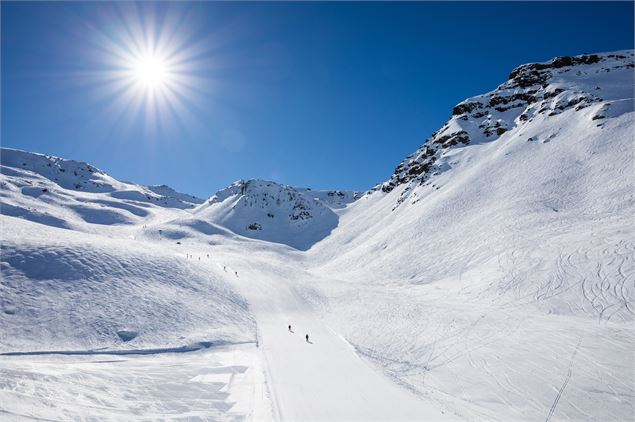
(151, 71)
(151, 65)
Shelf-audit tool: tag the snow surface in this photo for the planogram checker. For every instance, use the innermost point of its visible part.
(491, 278)
(224, 384)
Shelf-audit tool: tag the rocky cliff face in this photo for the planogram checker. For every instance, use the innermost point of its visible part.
(533, 93)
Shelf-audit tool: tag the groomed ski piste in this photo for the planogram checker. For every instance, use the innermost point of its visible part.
(492, 277)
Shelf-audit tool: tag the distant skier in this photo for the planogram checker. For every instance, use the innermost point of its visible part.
(236, 272)
(307, 338)
(224, 268)
(290, 328)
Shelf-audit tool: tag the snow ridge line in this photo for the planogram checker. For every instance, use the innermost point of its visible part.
(181, 349)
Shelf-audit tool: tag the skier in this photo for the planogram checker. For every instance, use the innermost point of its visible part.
(307, 338)
(290, 328)
(236, 272)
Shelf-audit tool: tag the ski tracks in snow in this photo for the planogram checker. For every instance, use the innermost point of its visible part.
(564, 384)
(323, 379)
(582, 277)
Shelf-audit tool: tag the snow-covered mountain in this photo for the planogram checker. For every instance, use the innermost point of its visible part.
(498, 261)
(82, 177)
(493, 274)
(93, 284)
(72, 194)
(536, 95)
(274, 212)
(66, 193)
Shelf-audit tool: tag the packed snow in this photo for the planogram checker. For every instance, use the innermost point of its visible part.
(492, 277)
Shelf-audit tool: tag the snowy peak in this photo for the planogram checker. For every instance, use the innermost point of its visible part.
(67, 174)
(167, 192)
(531, 74)
(261, 189)
(269, 196)
(600, 85)
(334, 199)
(39, 173)
(274, 212)
(75, 195)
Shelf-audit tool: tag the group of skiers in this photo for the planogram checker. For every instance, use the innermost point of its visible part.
(306, 337)
(191, 256)
(225, 269)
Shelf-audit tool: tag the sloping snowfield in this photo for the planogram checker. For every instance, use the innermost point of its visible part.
(506, 283)
(224, 384)
(491, 278)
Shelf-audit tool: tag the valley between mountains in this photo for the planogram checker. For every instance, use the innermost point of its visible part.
(491, 277)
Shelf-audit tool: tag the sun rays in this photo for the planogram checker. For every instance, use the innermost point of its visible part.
(150, 66)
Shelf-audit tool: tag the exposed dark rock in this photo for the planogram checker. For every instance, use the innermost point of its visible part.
(555, 63)
(551, 94)
(527, 85)
(527, 97)
(502, 109)
(465, 108)
(536, 73)
(455, 138)
(526, 77)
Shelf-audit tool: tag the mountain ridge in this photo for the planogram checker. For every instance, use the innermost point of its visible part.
(531, 90)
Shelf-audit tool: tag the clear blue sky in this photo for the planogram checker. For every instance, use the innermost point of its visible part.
(324, 95)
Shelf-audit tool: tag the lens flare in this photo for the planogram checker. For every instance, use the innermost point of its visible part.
(150, 63)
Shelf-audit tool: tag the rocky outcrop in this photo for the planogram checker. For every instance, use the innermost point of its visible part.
(535, 90)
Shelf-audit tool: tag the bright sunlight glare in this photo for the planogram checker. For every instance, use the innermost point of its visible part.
(151, 71)
(152, 62)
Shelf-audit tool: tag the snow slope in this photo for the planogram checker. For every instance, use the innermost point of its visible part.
(322, 379)
(502, 266)
(492, 277)
(220, 384)
(76, 291)
(75, 278)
